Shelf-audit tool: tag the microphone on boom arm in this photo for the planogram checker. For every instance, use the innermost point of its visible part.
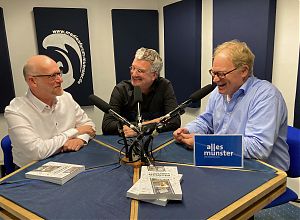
(179, 110)
(196, 96)
(102, 105)
(105, 107)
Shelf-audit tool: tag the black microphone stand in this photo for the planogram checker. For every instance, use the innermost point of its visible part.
(140, 146)
(122, 134)
(158, 129)
(135, 148)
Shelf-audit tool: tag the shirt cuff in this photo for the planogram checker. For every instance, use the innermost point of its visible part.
(84, 137)
(71, 132)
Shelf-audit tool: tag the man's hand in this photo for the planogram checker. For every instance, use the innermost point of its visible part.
(182, 135)
(73, 144)
(156, 120)
(128, 131)
(86, 129)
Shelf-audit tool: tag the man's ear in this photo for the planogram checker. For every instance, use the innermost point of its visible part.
(245, 71)
(31, 81)
(155, 75)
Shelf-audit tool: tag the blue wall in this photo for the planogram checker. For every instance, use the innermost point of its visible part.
(6, 82)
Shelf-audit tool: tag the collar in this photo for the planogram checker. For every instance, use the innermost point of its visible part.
(243, 89)
(41, 106)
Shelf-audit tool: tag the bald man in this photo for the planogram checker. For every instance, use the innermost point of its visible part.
(46, 120)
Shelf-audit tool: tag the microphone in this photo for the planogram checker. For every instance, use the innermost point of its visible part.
(196, 96)
(138, 98)
(201, 93)
(102, 105)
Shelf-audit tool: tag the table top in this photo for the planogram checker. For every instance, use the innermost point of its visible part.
(207, 192)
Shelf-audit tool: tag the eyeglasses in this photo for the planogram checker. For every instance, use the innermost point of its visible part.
(132, 69)
(52, 76)
(221, 75)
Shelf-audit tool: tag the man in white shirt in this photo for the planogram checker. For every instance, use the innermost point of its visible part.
(46, 120)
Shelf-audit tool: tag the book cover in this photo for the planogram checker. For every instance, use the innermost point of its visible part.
(133, 193)
(55, 172)
(218, 150)
(159, 182)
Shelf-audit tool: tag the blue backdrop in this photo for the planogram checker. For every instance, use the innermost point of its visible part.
(6, 82)
(250, 21)
(63, 35)
(182, 40)
(132, 29)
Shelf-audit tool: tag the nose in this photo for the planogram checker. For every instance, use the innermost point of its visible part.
(133, 72)
(216, 79)
(59, 78)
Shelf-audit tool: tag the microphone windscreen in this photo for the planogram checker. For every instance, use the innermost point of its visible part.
(201, 93)
(99, 103)
(137, 94)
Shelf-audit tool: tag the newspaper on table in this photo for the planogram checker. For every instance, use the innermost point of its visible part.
(157, 185)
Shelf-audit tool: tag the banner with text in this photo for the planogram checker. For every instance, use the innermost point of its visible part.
(218, 150)
(63, 35)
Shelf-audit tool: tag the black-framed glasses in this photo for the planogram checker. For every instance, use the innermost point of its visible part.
(139, 70)
(221, 75)
(52, 76)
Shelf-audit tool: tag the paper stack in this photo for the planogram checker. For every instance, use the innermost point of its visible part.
(55, 172)
(157, 185)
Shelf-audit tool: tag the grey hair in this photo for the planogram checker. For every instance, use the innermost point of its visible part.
(152, 57)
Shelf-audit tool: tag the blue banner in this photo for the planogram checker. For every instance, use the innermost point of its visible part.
(218, 150)
(6, 82)
(63, 35)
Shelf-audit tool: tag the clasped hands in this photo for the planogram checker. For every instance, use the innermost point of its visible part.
(182, 135)
(131, 133)
(75, 144)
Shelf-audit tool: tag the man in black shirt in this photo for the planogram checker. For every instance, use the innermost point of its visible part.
(158, 95)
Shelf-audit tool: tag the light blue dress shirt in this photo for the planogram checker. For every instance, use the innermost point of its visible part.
(258, 111)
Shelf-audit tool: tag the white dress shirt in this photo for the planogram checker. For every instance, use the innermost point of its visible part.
(38, 131)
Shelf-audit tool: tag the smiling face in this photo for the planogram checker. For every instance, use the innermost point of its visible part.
(141, 75)
(44, 78)
(228, 85)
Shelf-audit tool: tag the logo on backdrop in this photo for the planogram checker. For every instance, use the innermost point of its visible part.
(63, 35)
(63, 41)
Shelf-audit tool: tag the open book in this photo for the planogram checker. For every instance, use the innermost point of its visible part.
(55, 172)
